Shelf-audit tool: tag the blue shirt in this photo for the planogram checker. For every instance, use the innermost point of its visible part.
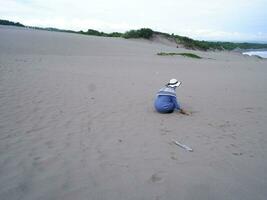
(166, 100)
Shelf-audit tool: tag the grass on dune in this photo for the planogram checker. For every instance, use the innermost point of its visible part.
(190, 55)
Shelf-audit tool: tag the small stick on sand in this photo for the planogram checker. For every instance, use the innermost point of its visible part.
(182, 145)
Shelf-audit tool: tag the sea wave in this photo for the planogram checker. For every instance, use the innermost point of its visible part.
(262, 54)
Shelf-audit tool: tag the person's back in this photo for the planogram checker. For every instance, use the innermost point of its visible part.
(166, 101)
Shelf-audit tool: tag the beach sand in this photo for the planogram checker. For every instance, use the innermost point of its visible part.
(77, 120)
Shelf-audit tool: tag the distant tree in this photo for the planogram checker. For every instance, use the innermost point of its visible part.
(141, 33)
(6, 22)
(93, 32)
(115, 34)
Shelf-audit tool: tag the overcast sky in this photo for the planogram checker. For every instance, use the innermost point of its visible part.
(231, 20)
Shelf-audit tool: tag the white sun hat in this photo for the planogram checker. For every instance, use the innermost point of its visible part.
(174, 83)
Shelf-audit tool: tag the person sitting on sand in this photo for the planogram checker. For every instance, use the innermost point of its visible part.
(166, 101)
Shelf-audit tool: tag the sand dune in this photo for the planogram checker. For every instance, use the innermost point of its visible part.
(77, 120)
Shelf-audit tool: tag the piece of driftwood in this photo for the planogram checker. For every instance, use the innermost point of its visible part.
(182, 146)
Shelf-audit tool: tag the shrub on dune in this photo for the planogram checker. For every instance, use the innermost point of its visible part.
(141, 33)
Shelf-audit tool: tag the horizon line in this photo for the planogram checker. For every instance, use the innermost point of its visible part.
(191, 37)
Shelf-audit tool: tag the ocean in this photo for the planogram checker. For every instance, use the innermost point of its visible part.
(262, 54)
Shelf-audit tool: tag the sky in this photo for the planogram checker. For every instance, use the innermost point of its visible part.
(224, 20)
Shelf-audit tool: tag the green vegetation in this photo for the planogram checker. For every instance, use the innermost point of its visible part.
(191, 44)
(147, 33)
(115, 34)
(53, 29)
(191, 55)
(6, 22)
(103, 34)
(205, 45)
(141, 33)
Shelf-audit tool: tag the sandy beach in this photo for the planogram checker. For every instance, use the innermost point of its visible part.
(77, 120)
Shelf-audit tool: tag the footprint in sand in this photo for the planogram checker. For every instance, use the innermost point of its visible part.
(164, 131)
(49, 144)
(173, 156)
(237, 154)
(156, 177)
(249, 109)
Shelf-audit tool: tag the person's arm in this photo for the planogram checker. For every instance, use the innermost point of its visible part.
(177, 106)
(174, 100)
